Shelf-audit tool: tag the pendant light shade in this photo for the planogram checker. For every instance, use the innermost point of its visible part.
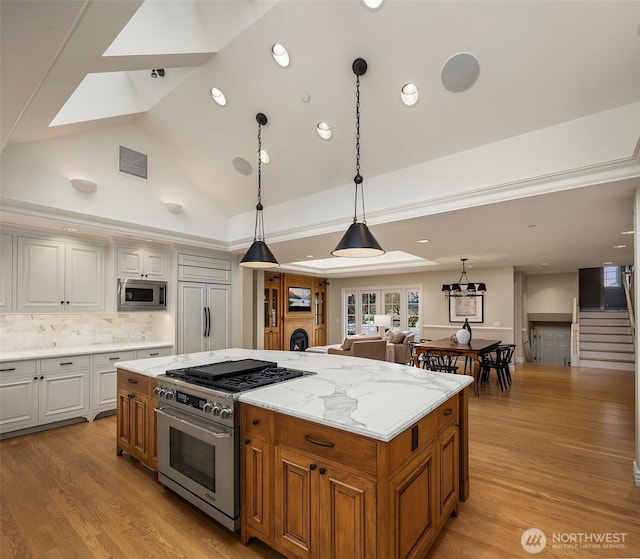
(259, 255)
(358, 241)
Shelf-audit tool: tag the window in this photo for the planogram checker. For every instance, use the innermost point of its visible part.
(612, 276)
(361, 305)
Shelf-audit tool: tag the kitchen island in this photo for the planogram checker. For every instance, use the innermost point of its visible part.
(363, 458)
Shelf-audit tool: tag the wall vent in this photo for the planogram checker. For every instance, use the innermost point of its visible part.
(133, 162)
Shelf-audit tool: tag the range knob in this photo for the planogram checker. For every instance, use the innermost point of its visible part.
(207, 408)
(217, 408)
(225, 413)
(169, 394)
(162, 392)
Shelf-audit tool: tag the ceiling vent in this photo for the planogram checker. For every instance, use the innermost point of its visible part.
(133, 162)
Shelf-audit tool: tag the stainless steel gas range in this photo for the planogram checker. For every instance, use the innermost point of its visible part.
(198, 431)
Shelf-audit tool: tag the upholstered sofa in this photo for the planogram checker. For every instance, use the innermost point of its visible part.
(400, 343)
(370, 347)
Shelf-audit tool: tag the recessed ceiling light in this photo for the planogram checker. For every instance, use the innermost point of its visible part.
(607, 263)
(422, 241)
(265, 157)
(409, 94)
(627, 232)
(218, 96)
(280, 55)
(308, 255)
(71, 229)
(324, 130)
(372, 4)
(544, 263)
(619, 246)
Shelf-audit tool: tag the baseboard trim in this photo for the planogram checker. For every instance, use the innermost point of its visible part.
(636, 473)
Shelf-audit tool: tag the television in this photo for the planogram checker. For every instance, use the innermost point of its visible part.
(299, 299)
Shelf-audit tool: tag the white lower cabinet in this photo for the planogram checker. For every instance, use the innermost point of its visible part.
(104, 389)
(59, 390)
(39, 391)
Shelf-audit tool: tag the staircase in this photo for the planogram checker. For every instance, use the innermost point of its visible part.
(605, 341)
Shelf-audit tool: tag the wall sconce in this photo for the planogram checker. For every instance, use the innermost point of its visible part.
(173, 207)
(84, 185)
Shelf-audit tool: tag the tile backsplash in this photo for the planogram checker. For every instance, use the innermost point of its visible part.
(41, 331)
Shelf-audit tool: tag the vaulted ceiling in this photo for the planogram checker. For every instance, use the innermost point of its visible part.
(537, 161)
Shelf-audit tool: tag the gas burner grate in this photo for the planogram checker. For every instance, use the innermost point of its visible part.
(238, 383)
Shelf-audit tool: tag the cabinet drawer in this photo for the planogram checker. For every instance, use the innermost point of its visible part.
(152, 352)
(133, 382)
(110, 359)
(27, 367)
(256, 421)
(447, 413)
(411, 441)
(345, 448)
(53, 364)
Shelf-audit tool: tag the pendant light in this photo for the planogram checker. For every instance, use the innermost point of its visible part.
(358, 241)
(259, 255)
(463, 287)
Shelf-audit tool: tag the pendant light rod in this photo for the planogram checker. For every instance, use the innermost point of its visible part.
(358, 241)
(259, 255)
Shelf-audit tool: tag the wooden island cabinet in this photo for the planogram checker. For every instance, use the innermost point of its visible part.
(136, 419)
(312, 491)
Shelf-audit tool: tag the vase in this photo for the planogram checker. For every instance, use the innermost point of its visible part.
(467, 327)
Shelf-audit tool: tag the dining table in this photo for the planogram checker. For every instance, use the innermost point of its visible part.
(473, 349)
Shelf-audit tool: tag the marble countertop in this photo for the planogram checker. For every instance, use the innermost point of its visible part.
(42, 353)
(374, 398)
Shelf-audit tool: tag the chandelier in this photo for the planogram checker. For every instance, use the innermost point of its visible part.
(463, 287)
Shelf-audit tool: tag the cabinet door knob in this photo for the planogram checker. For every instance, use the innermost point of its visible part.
(247, 441)
(448, 411)
(322, 471)
(255, 421)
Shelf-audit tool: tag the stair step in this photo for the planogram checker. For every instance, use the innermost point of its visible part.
(608, 314)
(622, 356)
(606, 338)
(605, 329)
(599, 345)
(604, 321)
(597, 364)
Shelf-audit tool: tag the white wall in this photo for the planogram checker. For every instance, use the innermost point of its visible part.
(551, 293)
(434, 320)
(38, 173)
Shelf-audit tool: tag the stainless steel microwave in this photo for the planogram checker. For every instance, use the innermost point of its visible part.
(141, 295)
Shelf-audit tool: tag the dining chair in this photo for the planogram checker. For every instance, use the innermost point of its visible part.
(442, 361)
(508, 350)
(493, 359)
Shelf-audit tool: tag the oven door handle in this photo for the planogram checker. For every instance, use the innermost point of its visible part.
(176, 418)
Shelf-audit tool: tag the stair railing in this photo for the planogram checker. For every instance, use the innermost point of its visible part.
(628, 292)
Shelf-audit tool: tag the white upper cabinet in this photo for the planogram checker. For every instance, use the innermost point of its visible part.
(55, 276)
(142, 263)
(6, 272)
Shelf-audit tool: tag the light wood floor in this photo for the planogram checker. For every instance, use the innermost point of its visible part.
(555, 453)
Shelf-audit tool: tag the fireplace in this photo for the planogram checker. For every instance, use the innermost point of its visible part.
(299, 340)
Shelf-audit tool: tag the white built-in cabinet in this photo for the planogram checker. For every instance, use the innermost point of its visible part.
(142, 263)
(36, 392)
(104, 378)
(204, 298)
(58, 276)
(6, 272)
